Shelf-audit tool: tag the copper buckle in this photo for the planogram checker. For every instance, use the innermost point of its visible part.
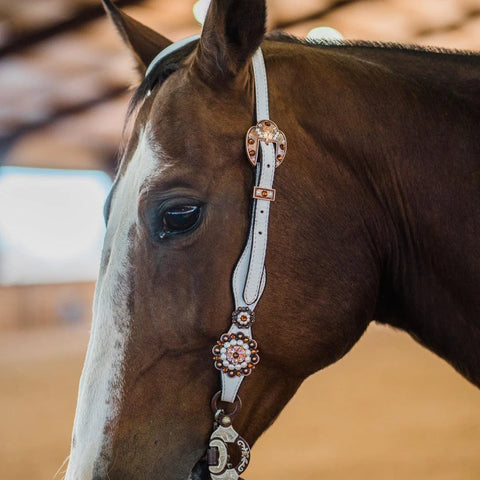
(260, 193)
(265, 131)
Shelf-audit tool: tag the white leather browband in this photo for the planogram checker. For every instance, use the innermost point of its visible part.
(249, 276)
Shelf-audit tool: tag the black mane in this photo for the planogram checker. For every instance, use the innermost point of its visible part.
(279, 36)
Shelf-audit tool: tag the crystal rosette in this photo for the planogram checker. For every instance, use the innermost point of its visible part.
(243, 317)
(235, 354)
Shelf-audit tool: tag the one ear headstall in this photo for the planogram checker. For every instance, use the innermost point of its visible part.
(236, 353)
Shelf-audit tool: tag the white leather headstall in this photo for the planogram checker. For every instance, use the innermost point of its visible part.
(236, 353)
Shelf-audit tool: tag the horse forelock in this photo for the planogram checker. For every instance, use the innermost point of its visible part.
(159, 73)
(100, 391)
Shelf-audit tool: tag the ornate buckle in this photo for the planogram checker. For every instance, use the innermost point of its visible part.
(222, 469)
(267, 132)
(217, 455)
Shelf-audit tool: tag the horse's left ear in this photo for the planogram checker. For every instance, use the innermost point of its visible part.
(232, 32)
(144, 42)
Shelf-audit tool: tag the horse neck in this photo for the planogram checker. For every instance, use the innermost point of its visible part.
(412, 145)
(431, 199)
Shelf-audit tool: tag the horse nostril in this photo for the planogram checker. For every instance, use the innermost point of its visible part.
(200, 471)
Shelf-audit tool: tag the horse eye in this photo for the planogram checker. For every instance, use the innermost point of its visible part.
(179, 219)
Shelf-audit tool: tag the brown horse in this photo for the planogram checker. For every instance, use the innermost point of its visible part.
(377, 217)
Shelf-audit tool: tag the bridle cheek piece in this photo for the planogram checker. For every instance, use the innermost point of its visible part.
(236, 353)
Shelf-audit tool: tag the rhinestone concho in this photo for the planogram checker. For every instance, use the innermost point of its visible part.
(235, 354)
(243, 317)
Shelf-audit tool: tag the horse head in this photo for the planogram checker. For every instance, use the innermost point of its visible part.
(177, 220)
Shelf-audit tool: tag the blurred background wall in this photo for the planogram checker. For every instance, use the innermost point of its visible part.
(390, 410)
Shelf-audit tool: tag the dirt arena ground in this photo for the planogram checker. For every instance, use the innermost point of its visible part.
(390, 410)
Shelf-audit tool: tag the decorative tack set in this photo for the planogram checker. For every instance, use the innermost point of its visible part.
(236, 353)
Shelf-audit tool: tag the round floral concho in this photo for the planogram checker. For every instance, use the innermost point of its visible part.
(235, 354)
(243, 317)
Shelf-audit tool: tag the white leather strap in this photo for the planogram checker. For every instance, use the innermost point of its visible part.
(249, 276)
(259, 228)
(170, 49)
(261, 86)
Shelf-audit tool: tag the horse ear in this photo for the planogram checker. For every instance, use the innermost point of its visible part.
(232, 32)
(142, 41)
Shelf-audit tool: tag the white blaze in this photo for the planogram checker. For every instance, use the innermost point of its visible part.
(101, 382)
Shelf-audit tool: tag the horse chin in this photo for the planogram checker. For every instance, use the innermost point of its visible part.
(200, 471)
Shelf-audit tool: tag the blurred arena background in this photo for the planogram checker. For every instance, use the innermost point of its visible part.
(389, 410)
